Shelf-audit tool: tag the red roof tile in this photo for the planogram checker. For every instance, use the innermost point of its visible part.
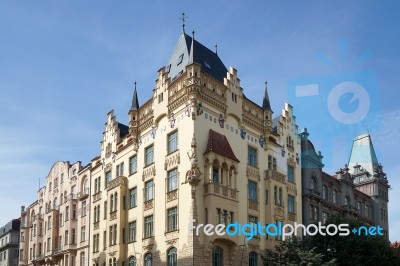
(219, 144)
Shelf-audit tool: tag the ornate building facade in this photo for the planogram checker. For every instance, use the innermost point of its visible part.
(198, 150)
(55, 228)
(358, 191)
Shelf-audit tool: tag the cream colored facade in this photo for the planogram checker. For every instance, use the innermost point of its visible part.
(55, 228)
(151, 178)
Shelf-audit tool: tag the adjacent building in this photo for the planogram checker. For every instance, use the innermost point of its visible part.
(9, 243)
(55, 227)
(359, 190)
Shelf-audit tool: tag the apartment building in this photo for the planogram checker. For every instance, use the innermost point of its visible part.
(9, 243)
(55, 227)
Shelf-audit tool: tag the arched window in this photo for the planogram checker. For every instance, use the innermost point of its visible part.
(275, 195)
(313, 183)
(217, 256)
(85, 188)
(110, 262)
(82, 259)
(115, 261)
(148, 259)
(334, 196)
(55, 203)
(132, 261)
(253, 259)
(172, 257)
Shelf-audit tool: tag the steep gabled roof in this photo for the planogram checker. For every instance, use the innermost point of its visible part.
(219, 144)
(180, 58)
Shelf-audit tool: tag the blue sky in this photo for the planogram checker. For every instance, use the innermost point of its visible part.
(65, 64)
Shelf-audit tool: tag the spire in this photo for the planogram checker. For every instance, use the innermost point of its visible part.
(266, 104)
(183, 22)
(135, 101)
(192, 49)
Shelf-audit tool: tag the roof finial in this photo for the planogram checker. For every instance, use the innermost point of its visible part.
(183, 22)
(135, 85)
(193, 34)
(216, 49)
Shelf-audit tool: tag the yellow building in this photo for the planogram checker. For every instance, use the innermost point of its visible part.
(55, 228)
(197, 152)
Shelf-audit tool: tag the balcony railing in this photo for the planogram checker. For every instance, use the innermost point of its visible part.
(275, 175)
(96, 197)
(253, 204)
(83, 194)
(172, 195)
(220, 190)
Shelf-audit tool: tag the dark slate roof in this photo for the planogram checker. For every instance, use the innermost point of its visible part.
(219, 144)
(135, 101)
(180, 58)
(123, 130)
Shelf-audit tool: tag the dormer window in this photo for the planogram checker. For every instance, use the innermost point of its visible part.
(180, 59)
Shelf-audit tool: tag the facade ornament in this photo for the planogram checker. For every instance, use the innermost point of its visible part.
(221, 121)
(283, 151)
(243, 132)
(261, 141)
(199, 109)
(172, 120)
(187, 110)
(193, 175)
(153, 131)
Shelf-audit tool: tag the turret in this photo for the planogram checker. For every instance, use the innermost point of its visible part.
(134, 119)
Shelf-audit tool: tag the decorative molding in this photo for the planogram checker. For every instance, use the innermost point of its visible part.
(172, 160)
(149, 172)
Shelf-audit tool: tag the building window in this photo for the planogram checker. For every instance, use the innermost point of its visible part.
(83, 233)
(120, 169)
(173, 142)
(96, 240)
(252, 156)
(313, 183)
(132, 232)
(324, 192)
(253, 259)
(280, 196)
(149, 155)
(367, 210)
(291, 208)
(314, 212)
(290, 172)
(107, 179)
(334, 196)
(148, 259)
(82, 260)
(172, 258)
(148, 226)
(132, 165)
(215, 175)
(275, 195)
(148, 195)
(359, 209)
(132, 261)
(252, 190)
(97, 182)
(252, 220)
(347, 201)
(172, 219)
(172, 180)
(83, 208)
(217, 256)
(132, 197)
(113, 235)
(325, 217)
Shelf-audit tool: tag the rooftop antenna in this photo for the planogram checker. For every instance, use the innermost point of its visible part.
(216, 49)
(183, 18)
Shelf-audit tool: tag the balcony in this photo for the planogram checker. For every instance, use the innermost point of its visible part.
(96, 197)
(121, 180)
(26, 225)
(312, 193)
(83, 194)
(275, 175)
(113, 215)
(220, 191)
